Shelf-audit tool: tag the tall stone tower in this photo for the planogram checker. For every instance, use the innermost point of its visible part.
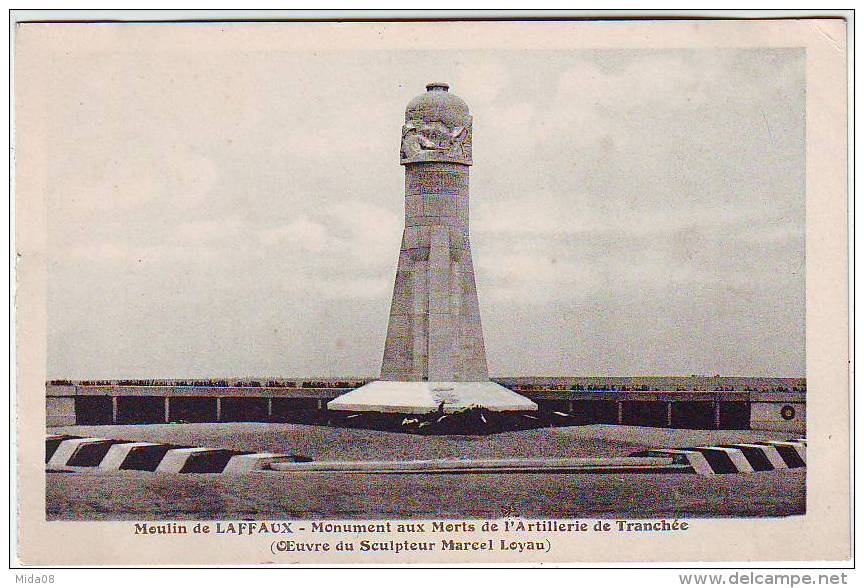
(434, 332)
(434, 357)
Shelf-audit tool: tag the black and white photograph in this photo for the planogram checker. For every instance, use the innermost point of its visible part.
(340, 279)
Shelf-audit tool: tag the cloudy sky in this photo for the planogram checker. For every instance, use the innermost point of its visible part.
(220, 211)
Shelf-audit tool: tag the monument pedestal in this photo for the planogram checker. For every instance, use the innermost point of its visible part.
(418, 398)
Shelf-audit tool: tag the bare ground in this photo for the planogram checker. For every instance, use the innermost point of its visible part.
(147, 496)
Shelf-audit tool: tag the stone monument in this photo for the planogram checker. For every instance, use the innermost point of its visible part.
(434, 357)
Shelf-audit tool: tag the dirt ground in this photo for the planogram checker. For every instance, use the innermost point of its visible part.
(323, 443)
(148, 496)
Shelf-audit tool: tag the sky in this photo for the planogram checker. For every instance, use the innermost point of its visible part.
(218, 211)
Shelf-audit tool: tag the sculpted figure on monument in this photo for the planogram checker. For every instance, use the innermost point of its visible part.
(435, 138)
(437, 128)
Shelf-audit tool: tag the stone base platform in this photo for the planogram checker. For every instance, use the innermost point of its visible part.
(419, 398)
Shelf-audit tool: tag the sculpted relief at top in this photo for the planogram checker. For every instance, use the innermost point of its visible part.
(435, 141)
(437, 127)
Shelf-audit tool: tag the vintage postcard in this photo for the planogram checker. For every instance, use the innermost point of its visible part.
(441, 292)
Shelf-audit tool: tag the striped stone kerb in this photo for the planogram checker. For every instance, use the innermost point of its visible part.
(739, 458)
(67, 451)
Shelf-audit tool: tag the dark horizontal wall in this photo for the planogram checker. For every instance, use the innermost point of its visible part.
(254, 410)
(139, 410)
(698, 409)
(326, 394)
(623, 383)
(734, 415)
(693, 415)
(551, 406)
(596, 411)
(310, 411)
(645, 414)
(93, 410)
(192, 409)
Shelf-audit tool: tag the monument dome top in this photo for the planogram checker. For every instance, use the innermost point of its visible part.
(438, 104)
(437, 128)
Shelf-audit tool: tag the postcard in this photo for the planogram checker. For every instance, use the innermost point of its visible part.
(431, 292)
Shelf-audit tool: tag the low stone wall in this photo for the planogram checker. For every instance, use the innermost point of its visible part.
(60, 405)
(779, 416)
(70, 404)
